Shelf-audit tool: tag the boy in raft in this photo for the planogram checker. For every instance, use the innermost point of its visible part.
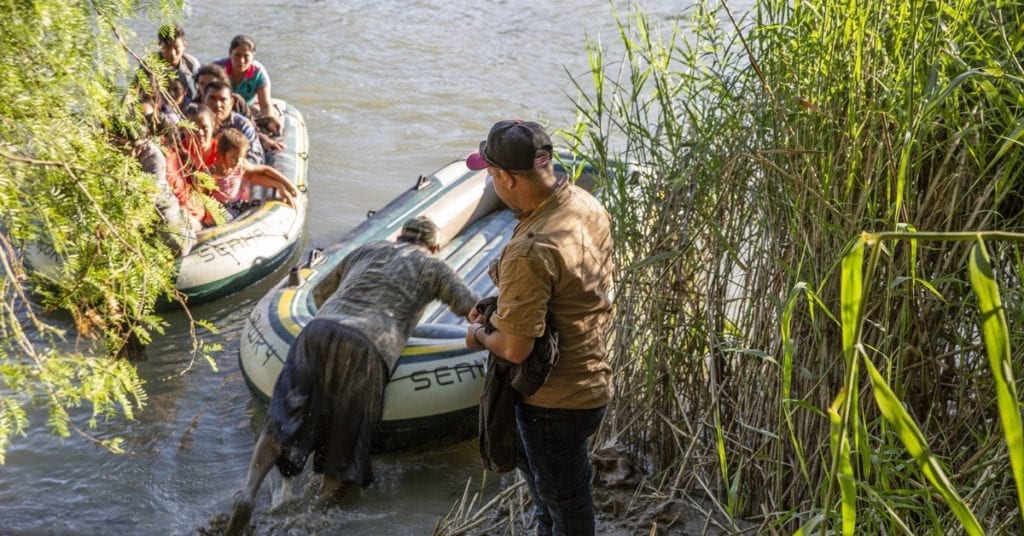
(329, 397)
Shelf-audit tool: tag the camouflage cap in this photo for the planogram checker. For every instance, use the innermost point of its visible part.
(420, 229)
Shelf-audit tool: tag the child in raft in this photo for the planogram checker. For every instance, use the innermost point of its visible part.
(230, 170)
(250, 80)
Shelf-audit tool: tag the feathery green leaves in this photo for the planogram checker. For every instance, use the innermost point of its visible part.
(67, 189)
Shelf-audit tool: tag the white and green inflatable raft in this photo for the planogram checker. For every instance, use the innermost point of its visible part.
(435, 389)
(232, 256)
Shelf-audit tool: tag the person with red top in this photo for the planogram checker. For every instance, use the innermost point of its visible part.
(180, 184)
(197, 152)
(179, 230)
(198, 147)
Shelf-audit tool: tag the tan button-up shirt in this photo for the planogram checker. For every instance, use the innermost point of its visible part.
(560, 259)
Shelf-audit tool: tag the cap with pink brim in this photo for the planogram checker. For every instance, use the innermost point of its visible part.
(513, 145)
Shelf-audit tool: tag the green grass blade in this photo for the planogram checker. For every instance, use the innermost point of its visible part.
(723, 460)
(996, 335)
(787, 373)
(847, 484)
(852, 298)
(843, 411)
(903, 424)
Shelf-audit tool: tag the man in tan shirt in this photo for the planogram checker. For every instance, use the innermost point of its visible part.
(559, 260)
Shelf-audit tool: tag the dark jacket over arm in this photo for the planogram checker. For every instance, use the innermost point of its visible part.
(504, 384)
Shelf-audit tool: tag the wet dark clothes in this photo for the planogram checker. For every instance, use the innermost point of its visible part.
(330, 393)
(329, 396)
(381, 289)
(505, 384)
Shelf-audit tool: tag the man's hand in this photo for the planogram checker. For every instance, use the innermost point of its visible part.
(472, 340)
(273, 124)
(270, 144)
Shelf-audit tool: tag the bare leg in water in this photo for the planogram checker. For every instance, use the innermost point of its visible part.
(264, 456)
(282, 494)
(331, 492)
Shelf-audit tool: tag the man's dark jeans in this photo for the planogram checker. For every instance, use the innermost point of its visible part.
(555, 463)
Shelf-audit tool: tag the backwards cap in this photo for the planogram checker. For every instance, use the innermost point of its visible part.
(513, 145)
(420, 229)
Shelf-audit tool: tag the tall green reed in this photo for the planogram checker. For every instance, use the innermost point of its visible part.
(747, 372)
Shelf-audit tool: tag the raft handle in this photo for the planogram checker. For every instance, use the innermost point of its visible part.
(295, 278)
(316, 256)
(422, 182)
(370, 213)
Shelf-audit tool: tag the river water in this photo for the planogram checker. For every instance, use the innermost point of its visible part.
(389, 90)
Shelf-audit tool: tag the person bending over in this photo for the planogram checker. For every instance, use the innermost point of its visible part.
(328, 398)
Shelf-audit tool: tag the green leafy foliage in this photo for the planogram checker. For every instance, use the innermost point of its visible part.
(68, 190)
(911, 436)
(996, 335)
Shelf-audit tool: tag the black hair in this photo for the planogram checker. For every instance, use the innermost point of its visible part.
(216, 85)
(170, 32)
(231, 138)
(202, 109)
(214, 70)
(240, 40)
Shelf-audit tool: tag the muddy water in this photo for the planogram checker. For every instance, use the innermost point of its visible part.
(389, 90)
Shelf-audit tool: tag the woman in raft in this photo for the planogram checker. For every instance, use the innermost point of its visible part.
(250, 80)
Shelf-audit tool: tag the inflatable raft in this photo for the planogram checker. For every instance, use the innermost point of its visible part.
(232, 256)
(435, 389)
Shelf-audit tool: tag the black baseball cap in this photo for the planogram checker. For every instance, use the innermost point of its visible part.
(513, 145)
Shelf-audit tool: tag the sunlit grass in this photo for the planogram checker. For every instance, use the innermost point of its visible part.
(810, 330)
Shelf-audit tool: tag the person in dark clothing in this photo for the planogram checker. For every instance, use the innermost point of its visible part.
(181, 63)
(329, 396)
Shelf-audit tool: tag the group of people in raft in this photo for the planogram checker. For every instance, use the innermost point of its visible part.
(231, 125)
